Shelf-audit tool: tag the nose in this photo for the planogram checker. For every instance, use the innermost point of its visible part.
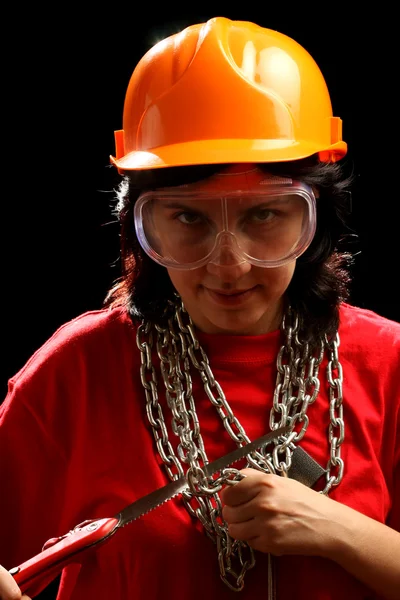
(227, 261)
(226, 250)
(228, 273)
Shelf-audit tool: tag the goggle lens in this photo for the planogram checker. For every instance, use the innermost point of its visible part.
(189, 230)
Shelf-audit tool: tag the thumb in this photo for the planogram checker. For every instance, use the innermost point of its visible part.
(9, 589)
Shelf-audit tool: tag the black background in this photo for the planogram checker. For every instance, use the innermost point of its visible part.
(65, 73)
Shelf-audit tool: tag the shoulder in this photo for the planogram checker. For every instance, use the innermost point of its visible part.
(90, 325)
(368, 334)
(367, 322)
(89, 341)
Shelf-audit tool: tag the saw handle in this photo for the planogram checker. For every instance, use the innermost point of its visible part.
(33, 575)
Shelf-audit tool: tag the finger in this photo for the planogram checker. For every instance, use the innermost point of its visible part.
(245, 532)
(9, 589)
(240, 513)
(245, 490)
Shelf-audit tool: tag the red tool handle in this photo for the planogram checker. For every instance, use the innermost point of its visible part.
(35, 574)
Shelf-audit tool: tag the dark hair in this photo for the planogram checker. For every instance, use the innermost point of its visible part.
(321, 278)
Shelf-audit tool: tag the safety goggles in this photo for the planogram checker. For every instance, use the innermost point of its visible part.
(269, 225)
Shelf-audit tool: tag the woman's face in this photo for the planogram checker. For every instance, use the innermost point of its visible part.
(231, 296)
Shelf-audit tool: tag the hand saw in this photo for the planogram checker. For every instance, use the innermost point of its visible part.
(36, 573)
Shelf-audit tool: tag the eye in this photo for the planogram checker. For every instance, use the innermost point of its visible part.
(261, 215)
(188, 218)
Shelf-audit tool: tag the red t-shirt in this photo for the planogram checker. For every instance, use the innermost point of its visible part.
(75, 444)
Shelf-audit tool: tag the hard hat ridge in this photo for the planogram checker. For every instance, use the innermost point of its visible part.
(226, 92)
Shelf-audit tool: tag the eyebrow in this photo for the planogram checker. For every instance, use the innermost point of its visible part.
(176, 205)
(185, 208)
(262, 201)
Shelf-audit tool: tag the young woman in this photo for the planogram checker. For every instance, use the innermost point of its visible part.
(230, 319)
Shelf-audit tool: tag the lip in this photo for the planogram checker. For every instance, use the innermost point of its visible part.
(230, 298)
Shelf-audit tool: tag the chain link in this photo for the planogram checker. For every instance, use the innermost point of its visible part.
(297, 387)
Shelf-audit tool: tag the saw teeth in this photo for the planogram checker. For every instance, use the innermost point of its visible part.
(149, 511)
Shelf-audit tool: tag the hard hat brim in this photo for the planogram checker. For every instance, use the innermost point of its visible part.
(203, 152)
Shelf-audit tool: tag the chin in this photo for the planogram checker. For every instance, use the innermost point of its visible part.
(236, 323)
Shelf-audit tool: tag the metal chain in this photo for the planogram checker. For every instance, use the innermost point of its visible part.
(335, 467)
(234, 557)
(297, 387)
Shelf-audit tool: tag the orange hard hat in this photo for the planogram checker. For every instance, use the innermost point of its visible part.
(226, 92)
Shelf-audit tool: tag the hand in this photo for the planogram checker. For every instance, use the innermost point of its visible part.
(280, 515)
(9, 590)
